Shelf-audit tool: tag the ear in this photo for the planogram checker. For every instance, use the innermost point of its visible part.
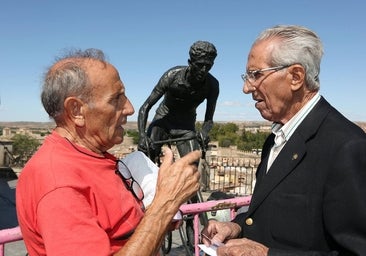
(74, 109)
(297, 76)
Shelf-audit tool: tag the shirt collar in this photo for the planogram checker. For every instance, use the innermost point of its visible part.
(288, 128)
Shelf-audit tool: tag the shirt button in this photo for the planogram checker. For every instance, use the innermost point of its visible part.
(249, 221)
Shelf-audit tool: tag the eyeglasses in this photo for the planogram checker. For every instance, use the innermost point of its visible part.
(253, 75)
(129, 181)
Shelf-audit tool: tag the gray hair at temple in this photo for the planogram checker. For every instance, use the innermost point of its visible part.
(66, 78)
(296, 45)
(202, 49)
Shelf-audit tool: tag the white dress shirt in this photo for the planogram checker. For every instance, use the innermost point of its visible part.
(284, 132)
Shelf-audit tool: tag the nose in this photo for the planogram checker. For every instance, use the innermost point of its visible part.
(248, 88)
(128, 109)
(204, 69)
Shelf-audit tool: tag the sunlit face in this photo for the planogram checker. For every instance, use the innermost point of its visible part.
(271, 90)
(110, 108)
(200, 68)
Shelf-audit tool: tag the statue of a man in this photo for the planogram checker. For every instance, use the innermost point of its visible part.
(184, 88)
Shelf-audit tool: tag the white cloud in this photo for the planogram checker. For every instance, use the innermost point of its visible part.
(230, 104)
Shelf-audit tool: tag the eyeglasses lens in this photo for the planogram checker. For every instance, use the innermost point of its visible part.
(131, 183)
(123, 169)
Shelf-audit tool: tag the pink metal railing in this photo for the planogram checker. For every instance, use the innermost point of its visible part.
(195, 209)
(8, 236)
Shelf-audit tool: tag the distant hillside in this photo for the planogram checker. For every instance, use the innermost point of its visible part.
(133, 124)
(28, 124)
(130, 125)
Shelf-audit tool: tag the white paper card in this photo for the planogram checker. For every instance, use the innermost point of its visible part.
(209, 250)
(145, 172)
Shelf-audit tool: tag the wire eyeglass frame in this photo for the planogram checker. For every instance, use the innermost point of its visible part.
(251, 75)
(132, 185)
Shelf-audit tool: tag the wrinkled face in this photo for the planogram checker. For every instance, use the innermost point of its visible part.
(109, 109)
(200, 68)
(271, 89)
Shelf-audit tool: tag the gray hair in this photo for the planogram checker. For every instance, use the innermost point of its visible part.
(67, 77)
(297, 45)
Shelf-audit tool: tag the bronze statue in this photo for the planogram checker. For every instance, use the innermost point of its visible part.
(184, 88)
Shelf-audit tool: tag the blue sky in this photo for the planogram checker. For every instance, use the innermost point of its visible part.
(145, 38)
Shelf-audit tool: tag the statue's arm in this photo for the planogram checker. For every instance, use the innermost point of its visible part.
(211, 106)
(159, 90)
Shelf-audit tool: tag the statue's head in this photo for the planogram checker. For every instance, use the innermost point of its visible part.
(202, 50)
(202, 56)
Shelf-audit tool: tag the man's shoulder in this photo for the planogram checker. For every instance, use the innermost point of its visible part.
(212, 80)
(172, 73)
(175, 70)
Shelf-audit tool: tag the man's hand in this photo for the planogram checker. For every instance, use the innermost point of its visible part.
(177, 181)
(219, 232)
(242, 246)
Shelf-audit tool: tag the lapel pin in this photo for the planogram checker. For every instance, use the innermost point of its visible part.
(295, 156)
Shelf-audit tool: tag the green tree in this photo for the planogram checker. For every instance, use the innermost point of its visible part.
(228, 139)
(24, 147)
(225, 134)
(249, 140)
(230, 128)
(219, 131)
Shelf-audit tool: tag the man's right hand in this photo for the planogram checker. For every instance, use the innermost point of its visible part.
(177, 180)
